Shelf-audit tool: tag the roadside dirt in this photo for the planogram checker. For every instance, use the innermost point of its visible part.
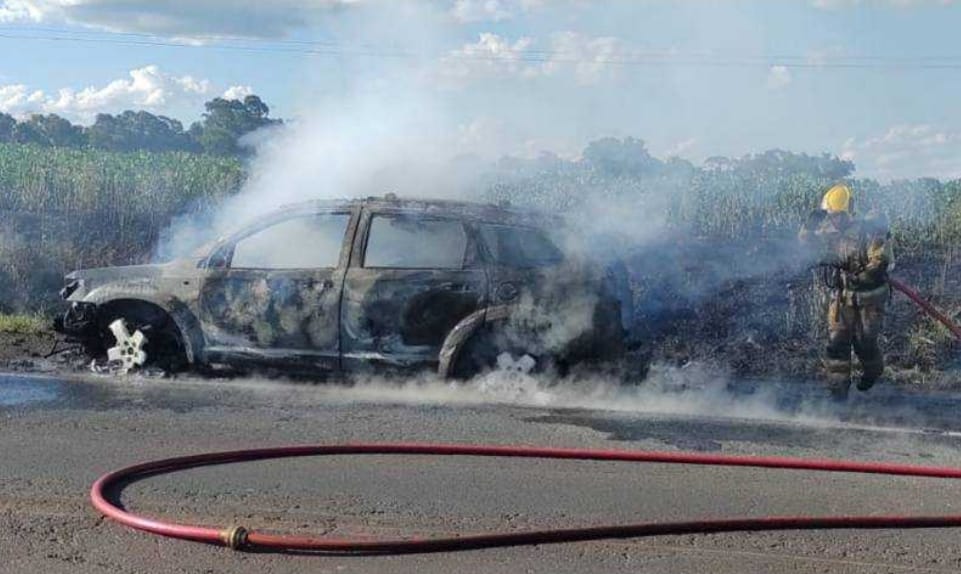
(17, 347)
(39, 352)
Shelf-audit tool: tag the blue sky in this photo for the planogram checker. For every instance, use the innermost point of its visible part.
(878, 82)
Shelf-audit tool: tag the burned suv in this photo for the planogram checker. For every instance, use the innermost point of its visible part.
(378, 283)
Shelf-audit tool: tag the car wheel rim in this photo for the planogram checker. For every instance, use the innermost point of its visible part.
(515, 364)
(127, 354)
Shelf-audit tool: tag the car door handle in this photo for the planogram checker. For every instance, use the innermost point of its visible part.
(458, 287)
(324, 284)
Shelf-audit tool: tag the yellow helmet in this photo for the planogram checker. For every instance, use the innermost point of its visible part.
(837, 199)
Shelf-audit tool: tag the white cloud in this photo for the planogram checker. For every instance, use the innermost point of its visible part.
(778, 77)
(588, 59)
(467, 11)
(177, 18)
(237, 92)
(490, 56)
(15, 96)
(907, 151)
(18, 10)
(147, 88)
(192, 19)
(591, 58)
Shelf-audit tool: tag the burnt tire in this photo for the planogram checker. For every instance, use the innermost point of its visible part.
(164, 346)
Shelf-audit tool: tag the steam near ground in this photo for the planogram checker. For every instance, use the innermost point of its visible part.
(694, 390)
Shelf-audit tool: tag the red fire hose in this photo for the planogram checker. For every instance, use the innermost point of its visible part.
(927, 307)
(241, 538)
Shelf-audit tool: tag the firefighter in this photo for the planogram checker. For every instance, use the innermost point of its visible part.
(854, 257)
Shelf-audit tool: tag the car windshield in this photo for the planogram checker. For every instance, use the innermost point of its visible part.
(515, 246)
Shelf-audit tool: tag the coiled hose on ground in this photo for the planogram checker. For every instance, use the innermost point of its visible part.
(243, 538)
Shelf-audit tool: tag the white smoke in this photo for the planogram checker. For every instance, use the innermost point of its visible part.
(696, 390)
(389, 139)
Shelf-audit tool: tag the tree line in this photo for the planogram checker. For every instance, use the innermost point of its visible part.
(219, 132)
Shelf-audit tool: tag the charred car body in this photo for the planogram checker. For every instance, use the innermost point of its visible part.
(378, 283)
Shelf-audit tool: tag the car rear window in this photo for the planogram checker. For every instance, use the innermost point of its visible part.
(523, 247)
(404, 242)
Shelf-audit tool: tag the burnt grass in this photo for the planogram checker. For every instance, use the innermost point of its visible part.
(753, 311)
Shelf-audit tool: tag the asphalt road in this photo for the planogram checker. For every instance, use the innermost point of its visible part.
(58, 436)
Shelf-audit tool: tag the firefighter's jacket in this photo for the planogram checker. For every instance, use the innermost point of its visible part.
(854, 255)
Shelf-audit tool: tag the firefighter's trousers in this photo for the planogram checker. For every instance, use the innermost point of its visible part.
(854, 323)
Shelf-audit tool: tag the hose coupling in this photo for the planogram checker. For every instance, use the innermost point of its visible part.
(235, 537)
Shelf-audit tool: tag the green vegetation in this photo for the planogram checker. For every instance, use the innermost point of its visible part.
(36, 179)
(218, 132)
(63, 208)
(23, 324)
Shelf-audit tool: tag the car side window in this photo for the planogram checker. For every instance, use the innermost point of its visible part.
(303, 242)
(520, 247)
(405, 242)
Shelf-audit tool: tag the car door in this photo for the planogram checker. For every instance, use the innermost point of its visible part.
(412, 277)
(272, 294)
(523, 259)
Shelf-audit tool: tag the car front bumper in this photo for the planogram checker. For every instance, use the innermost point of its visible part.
(80, 320)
